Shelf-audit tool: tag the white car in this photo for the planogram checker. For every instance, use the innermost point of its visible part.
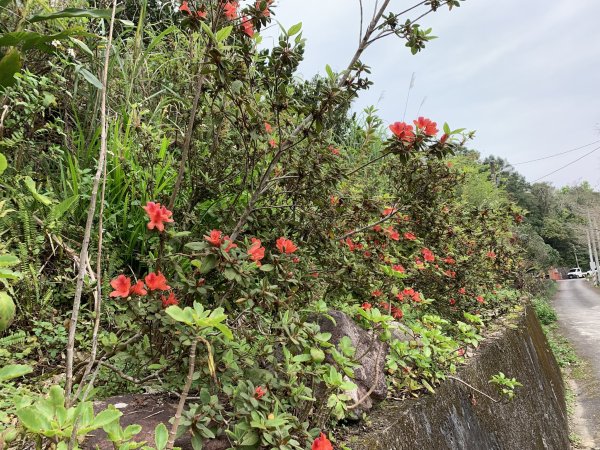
(575, 272)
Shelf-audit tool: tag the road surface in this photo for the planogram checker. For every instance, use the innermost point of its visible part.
(577, 305)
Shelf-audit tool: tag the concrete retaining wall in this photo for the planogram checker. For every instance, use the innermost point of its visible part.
(457, 417)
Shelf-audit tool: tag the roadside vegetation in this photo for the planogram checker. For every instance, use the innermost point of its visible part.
(177, 207)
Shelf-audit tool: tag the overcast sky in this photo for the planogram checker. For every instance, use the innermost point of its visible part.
(525, 74)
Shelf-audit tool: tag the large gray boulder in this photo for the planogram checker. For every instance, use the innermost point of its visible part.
(369, 376)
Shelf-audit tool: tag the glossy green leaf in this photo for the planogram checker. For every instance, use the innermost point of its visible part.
(75, 13)
(36, 195)
(10, 64)
(181, 315)
(294, 29)
(3, 161)
(14, 371)
(160, 436)
(8, 260)
(89, 77)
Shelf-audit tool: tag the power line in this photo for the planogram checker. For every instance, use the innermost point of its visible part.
(566, 165)
(556, 154)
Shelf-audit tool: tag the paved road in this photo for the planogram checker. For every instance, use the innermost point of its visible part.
(577, 304)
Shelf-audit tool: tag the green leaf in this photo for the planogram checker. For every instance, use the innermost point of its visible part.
(8, 260)
(14, 371)
(31, 419)
(39, 197)
(304, 357)
(9, 274)
(89, 77)
(208, 263)
(196, 246)
(10, 64)
(75, 12)
(3, 161)
(105, 417)
(317, 355)
(160, 436)
(59, 210)
(294, 29)
(181, 315)
(266, 267)
(28, 40)
(56, 396)
(84, 48)
(223, 33)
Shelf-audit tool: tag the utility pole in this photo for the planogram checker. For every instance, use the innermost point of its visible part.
(593, 237)
(594, 233)
(589, 242)
(575, 253)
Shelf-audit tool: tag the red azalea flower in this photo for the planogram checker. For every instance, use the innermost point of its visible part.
(214, 238)
(491, 255)
(367, 254)
(259, 392)
(452, 302)
(284, 245)
(403, 131)
(121, 286)
(376, 293)
(400, 296)
(201, 14)
(449, 260)
(168, 301)
(229, 242)
(480, 299)
(443, 140)
(420, 264)
(333, 200)
(156, 281)
(268, 127)
(427, 126)
(296, 260)
(333, 150)
(462, 290)
(398, 268)
(315, 274)
(384, 305)
(272, 143)
(157, 214)
(461, 351)
(428, 255)
(518, 218)
(247, 26)
(138, 288)
(322, 443)
(230, 9)
(450, 273)
(185, 7)
(256, 252)
(366, 306)
(397, 313)
(409, 236)
(377, 228)
(351, 245)
(392, 233)
(388, 211)
(265, 12)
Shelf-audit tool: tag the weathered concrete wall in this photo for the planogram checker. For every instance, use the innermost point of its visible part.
(456, 417)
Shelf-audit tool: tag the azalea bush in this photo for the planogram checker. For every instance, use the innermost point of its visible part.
(241, 204)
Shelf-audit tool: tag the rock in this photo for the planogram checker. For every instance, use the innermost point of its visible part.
(370, 353)
(147, 410)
